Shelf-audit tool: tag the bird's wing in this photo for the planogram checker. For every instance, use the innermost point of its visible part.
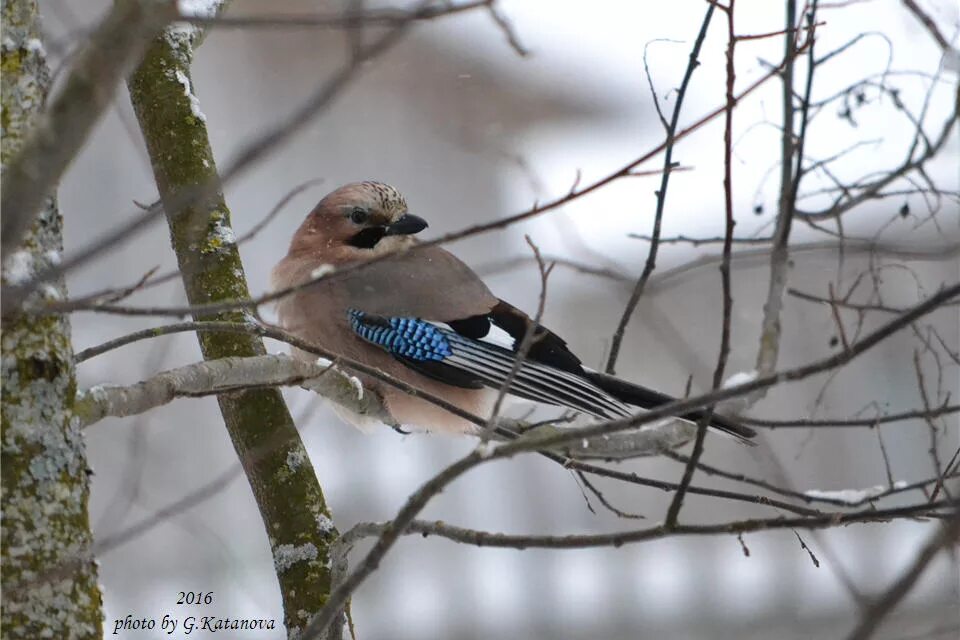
(456, 353)
(472, 338)
(427, 283)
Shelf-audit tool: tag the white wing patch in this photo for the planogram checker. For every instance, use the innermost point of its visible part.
(492, 359)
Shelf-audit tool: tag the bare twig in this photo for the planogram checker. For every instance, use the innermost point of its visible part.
(934, 450)
(110, 52)
(884, 605)
(843, 304)
(806, 423)
(248, 155)
(420, 498)
(390, 531)
(789, 185)
(606, 503)
(673, 511)
(526, 343)
(269, 140)
(678, 407)
(869, 498)
(344, 20)
(671, 129)
(927, 23)
(617, 539)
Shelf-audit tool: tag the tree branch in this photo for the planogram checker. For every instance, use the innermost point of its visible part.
(236, 374)
(616, 539)
(271, 138)
(883, 605)
(661, 194)
(673, 511)
(111, 51)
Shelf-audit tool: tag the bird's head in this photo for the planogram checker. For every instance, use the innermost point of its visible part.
(362, 216)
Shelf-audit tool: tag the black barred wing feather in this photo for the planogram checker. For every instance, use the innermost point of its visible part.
(441, 353)
(467, 353)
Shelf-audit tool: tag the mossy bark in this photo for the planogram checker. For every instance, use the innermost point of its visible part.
(287, 492)
(49, 576)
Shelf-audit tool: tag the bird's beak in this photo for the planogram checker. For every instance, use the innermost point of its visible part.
(406, 225)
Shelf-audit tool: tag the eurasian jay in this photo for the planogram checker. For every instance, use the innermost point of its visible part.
(425, 318)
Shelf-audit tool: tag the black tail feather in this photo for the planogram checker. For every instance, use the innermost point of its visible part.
(644, 398)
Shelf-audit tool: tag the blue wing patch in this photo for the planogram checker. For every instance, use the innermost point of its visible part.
(407, 337)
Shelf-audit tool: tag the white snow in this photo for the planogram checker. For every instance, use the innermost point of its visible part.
(223, 233)
(850, 496)
(741, 377)
(188, 92)
(324, 523)
(51, 292)
(321, 271)
(199, 8)
(35, 46)
(485, 450)
(287, 555)
(18, 267)
(295, 459)
(357, 386)
(184, 34)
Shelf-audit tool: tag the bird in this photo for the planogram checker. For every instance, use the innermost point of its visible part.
(424, 317)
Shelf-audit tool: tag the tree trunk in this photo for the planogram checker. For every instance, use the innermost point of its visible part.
(49, 576)
(284, 484)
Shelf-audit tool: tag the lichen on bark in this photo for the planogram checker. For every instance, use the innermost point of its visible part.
(290, 500)
(49, 576)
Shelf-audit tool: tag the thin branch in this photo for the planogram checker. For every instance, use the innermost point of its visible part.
(208, 378)
(696, 242)
(526, 343)
(345, 20)
(112, 49)
(678, 407)
(422, 496)
(617, 539)
(884, 605)
(673, 511)
(606, 503)
(848, 201)
(927, 23)
(148, 280)
(539, 439)
(651, 262)
(248, 155)
(843, 304)
(450, 237)
(806, 423)
(934, 450)
(869, 497)
(791, 148)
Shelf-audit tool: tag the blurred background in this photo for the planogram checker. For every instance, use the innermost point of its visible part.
(469, 131)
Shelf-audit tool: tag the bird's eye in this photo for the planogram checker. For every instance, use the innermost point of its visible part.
(358, 215)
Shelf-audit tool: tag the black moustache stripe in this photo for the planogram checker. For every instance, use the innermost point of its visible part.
(368, 238)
